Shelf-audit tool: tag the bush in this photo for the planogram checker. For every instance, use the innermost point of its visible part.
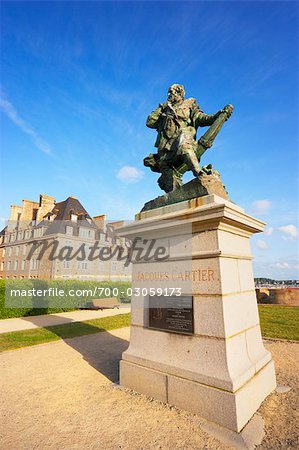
(19, 306)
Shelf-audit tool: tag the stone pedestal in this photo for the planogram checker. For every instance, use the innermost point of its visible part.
(220, 370)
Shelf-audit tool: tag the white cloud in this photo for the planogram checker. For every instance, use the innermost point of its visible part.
(261, 206)
(282, 265)
(13, 115)
(290, 231)
(285, 265)
(262, 245)
(129, 174)
(268, 231)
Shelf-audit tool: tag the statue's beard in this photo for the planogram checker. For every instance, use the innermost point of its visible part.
(175, 100)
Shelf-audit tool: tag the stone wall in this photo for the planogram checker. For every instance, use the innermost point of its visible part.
(278, 296)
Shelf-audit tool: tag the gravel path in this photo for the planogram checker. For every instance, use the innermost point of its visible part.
(47, 320)
(60, 396)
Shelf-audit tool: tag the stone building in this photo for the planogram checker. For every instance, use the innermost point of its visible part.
(52, 240)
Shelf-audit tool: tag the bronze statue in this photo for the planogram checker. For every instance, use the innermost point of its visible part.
(176, 122)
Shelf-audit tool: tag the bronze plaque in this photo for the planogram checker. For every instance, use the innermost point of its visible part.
(172, 314)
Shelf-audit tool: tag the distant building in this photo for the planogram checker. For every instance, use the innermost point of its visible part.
(67, 227)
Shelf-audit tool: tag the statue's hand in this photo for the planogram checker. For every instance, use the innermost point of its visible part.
(228, 110)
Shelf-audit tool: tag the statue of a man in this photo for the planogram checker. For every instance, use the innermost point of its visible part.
(176, 122)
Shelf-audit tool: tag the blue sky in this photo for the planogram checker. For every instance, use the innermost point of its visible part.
(79, 79)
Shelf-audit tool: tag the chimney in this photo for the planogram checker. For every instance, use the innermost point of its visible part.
(46, 204)
(46, 200)
(100, 221)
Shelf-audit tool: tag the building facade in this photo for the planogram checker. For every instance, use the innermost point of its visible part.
(59, 240)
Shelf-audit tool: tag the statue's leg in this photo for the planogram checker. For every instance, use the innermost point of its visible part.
(152, 161)
(187, 147)
(170, 178)
(168, 181)
(191, 161)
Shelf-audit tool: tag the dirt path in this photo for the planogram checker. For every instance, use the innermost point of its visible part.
(47, 320)
(60, 396)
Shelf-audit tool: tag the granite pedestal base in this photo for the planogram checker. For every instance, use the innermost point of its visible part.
(221, 370)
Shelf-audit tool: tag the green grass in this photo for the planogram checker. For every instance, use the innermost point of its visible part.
(276, 322)
(280, 322)
(18, 339)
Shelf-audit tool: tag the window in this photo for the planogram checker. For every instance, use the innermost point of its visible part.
(86, 233)
(34, 264)
(16, 264)
(74, 217)
(9, 251)
(23, 264)
(66, 264)
(38, 232)
(82, 232)
(17, 250)
(9, 265)
(69, 230)
(24, 249)
(102, 236)
(82, 265)
(2, 265)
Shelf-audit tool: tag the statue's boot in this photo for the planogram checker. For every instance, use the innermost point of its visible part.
(169, 180)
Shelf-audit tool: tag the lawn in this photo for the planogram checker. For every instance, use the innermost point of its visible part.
(276, 322)
(280, 322)
(18, 339)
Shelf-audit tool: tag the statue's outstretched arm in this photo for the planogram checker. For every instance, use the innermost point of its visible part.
(205, 120)
(153, 119)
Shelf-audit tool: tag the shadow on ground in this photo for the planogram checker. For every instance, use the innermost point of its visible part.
(55, 319)
(102, 350)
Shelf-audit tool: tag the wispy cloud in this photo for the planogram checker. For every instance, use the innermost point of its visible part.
(265, 71)
(262, 245)
(284, 265)
(290, 231)
(13, 115)
(268, 231)
(129, 174)
(261, 206)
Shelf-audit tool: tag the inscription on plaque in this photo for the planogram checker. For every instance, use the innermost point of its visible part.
(172, 314)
